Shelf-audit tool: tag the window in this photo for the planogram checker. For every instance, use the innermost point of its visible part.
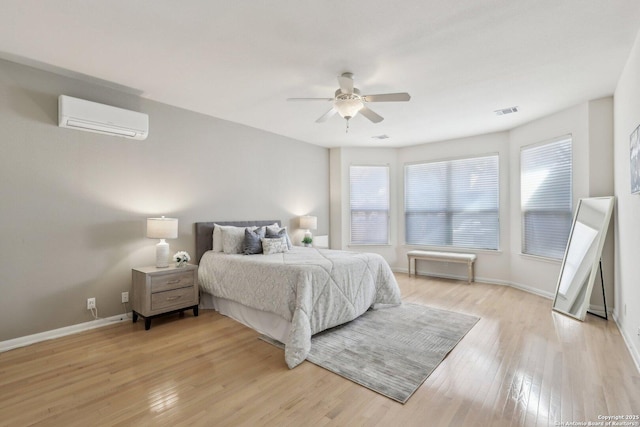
(453, 203)
(546, 199)
(369, 205)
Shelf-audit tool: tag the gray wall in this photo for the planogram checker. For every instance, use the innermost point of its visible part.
(73, 204)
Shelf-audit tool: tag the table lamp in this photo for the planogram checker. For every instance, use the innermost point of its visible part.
(308, 222)
(162, 228)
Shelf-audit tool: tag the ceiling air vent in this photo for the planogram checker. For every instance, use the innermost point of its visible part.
(506, 111)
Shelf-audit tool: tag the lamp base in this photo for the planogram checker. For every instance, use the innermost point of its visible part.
(162, 254)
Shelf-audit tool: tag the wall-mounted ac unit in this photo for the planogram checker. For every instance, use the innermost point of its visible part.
(90, 116)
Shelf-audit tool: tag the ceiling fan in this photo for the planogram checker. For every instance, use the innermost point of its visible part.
(348, 101)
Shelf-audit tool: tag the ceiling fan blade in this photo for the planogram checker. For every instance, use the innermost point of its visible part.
(371, 115)
(346, 83)
(309, 99)
(387, 97)
(326, 116)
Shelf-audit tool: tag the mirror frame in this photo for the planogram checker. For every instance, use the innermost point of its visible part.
(595, 262)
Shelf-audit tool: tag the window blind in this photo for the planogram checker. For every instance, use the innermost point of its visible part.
(546, 197)
(369, 199)
(453, 203)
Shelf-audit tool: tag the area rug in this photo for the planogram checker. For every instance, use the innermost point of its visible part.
(391, 351)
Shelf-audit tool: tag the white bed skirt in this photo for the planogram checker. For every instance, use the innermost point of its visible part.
(268, 324)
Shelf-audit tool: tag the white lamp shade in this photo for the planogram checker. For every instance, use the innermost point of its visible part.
(162, 228)
(308, 222)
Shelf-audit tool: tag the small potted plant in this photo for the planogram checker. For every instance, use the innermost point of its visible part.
(181, 258)
(307, 241)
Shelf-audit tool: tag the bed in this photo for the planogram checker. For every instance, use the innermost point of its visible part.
(290, 295)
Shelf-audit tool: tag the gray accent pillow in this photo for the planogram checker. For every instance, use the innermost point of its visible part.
(274, 231)
(252, 243)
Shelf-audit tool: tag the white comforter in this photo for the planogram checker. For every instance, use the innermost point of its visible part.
(314, 289)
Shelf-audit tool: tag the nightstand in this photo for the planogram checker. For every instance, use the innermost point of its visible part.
(158, 291)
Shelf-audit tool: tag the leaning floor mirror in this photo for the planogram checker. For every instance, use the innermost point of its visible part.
(582, 256)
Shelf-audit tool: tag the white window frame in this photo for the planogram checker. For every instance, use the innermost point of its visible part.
(567, 212)
(497, 208)
(387, 212)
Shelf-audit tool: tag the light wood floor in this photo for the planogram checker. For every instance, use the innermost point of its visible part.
(520, 365)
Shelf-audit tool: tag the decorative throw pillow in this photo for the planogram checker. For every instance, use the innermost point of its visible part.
(276, 231)
(232, 238)
(274, 245)
(252, 243)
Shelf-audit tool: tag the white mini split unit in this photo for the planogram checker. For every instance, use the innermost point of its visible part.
(90, 116)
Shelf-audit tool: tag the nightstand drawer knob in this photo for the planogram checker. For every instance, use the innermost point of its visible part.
(171, 282)
(173, 298)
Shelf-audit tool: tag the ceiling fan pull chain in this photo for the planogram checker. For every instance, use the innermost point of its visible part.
(347, 130)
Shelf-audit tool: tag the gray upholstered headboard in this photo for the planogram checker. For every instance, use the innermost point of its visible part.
(204, 233)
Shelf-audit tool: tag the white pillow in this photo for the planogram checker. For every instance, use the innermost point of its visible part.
(274, 246)
(217, 238)
(232, 238)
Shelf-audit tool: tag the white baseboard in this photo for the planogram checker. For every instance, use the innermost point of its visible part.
(535, 291)
(627, 341)
(465, 278)
(61, 332)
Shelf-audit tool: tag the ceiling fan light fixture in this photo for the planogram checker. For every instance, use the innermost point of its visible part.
(348, 108)
(348, 101)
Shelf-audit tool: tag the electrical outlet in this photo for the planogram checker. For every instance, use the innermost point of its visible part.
(91, 303)
(125, 297)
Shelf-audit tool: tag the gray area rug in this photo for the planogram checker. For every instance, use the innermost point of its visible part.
(391, 351)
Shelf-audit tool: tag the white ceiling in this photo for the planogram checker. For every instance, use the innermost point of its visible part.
(239, 60)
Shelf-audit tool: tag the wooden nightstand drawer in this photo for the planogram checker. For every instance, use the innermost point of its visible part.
(168, 282)
(157, 291)
(170, 299)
